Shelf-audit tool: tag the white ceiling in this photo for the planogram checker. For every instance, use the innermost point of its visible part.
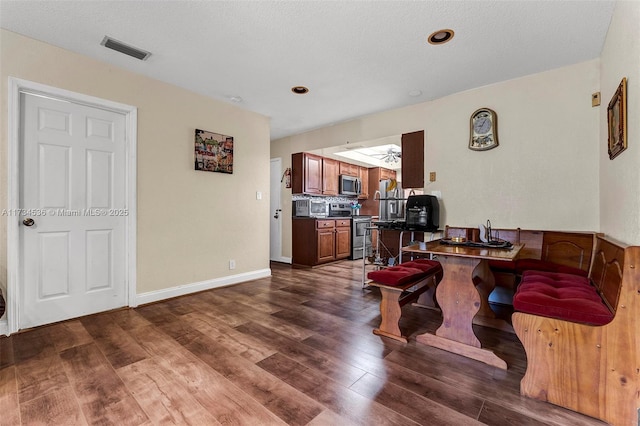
(356, 57)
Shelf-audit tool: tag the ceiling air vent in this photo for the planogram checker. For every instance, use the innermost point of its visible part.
(121, 47)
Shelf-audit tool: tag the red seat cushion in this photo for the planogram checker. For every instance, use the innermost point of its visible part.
(564, 296)
(555, 279)
(425, 265)
(540, 265)
(396, 275)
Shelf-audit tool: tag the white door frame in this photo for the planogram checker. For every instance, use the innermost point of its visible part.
(17, 86)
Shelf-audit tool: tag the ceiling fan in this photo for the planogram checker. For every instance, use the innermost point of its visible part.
(391, 156)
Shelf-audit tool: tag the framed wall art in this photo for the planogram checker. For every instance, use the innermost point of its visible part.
(213, 152)
(617, 121)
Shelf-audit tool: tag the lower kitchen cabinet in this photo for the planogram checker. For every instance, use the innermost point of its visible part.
(343, 240)
(318, 241)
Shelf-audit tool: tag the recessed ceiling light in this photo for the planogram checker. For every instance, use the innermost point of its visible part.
(235, 98)
(299, 90)
(414, 93)
(440, 36)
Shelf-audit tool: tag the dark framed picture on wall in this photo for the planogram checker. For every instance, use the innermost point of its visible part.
(213, 152)
(617, 121)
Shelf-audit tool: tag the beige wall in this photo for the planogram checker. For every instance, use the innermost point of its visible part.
(544, 174)
(190, 223)
(620, 177)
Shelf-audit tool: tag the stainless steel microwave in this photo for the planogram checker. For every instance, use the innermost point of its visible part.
(350, 185)
(310, 208)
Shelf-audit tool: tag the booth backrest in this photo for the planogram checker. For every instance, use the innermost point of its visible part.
(532, 241)
(606, 271)
(567, 248)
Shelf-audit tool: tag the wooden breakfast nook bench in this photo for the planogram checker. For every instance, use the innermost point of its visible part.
(398, 286)
(581, 335)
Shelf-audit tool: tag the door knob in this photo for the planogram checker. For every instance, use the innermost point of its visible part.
(28, 222)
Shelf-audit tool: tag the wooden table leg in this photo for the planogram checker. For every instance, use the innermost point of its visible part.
(486, 284)
(459, 300)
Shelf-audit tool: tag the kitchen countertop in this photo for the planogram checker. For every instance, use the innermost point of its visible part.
(401, 225)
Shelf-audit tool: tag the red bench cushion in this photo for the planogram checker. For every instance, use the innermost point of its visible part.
(563, 296)
(425, 265)
(396, 275)
(540, 265)
(556, 279)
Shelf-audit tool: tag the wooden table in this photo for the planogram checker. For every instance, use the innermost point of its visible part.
(459, 298)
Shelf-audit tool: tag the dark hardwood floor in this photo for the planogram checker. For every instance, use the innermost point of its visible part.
(296, 348)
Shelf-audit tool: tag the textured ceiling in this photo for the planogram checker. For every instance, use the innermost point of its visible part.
(356, 57)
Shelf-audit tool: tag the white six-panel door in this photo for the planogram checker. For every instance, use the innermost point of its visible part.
(72, 186)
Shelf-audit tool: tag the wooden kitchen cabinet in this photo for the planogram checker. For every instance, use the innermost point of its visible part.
(363, 174)
(306, 173)
(348, 169)
(326, 245)
(387, 174)
(318, 241)
(413, 160)
(330, 173)
(316, 175)
(343, 238)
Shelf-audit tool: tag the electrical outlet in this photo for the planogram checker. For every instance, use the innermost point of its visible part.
(232, 264)
(258, 195)
(432, 176)
(595, 99)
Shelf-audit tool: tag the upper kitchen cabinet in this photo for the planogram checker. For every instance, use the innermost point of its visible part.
(348, 169)
(386, 173)
(413, 160)
(330, 173)
(306, 174)
(363, 174)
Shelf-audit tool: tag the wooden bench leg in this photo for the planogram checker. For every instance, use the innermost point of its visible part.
(390, 310)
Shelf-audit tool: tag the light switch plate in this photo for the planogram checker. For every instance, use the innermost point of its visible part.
(258, 195)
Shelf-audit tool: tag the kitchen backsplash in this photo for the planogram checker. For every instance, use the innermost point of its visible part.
(342, 199)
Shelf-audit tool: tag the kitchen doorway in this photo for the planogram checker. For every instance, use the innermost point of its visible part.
(275, 220)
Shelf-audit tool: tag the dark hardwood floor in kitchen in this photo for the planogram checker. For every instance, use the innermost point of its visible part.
(296, 348)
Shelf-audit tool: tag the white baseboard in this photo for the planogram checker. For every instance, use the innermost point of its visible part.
(181, 290)
(282, 259)
(4, 327)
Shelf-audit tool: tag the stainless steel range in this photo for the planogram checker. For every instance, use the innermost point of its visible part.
(359, 225)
